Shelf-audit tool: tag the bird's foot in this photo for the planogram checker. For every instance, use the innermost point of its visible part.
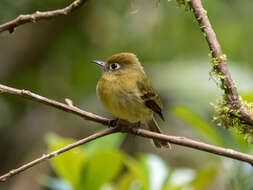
(137, 125)
(113, 123)
(123, 123)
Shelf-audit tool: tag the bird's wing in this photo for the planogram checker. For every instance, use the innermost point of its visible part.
(150, 97)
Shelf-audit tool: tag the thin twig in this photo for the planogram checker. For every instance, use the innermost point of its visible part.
(23, 19)
(93, 117)
(182, 141)
(214, 46)
(45, 157)
(65, 107)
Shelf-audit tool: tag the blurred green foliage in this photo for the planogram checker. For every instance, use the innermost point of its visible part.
(101, 165)
(199, 124)
(52, 58)
(106, 167)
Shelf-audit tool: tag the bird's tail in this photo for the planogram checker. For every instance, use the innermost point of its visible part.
(153, 126)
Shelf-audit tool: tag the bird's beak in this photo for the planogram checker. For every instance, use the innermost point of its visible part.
(101, 64)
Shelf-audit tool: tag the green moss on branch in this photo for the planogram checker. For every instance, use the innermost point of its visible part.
(230, 118)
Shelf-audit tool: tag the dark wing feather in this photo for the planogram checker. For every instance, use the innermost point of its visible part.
(153, 106)
(150, 97)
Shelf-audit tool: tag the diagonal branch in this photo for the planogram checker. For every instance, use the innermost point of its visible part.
(186, 142)
(227, 82)
(23, 19)
(227, 85)
(65, 107)
(45, 157)
(182, 141)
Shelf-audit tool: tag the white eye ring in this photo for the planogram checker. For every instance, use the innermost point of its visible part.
(114, 66)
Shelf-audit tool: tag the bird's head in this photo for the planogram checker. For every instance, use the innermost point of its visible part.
(121, 63)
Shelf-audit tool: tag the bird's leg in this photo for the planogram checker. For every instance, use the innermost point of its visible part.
(137, 125)
(118, 123)
(113, 122)
(123, 123)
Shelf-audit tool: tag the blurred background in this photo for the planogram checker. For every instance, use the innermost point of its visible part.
(52, 58)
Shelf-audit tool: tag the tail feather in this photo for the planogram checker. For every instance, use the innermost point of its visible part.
(153, 126)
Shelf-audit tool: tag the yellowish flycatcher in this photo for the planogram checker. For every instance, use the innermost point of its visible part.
(126, 92)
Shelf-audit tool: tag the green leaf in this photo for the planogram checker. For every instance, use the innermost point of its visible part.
(240, 141)
(139, 170)
(138, 174)
(102, 167)
(199, 124)
(69, 165)
(126, 181)
(112, 141)
(204, 178)
(247, 96)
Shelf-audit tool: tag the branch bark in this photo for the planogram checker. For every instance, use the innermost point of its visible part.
(45, 157)
(65, 107)
(229, 89)
(23, 19)
(182, 141)
(227, 82)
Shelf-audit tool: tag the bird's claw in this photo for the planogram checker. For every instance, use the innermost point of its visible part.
(113, 123)
(137, 125)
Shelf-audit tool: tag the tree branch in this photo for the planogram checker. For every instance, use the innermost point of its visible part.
(182, 141)
(45, 157)
(227, 82)
(65, 107)
(23, 19)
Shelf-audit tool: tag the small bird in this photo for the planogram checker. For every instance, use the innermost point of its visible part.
(126, 92)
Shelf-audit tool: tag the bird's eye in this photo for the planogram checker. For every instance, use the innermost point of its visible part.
(114, 66)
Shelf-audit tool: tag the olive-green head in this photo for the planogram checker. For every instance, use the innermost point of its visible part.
(121, 63)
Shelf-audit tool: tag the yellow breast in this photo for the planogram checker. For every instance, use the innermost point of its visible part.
(121, 97)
